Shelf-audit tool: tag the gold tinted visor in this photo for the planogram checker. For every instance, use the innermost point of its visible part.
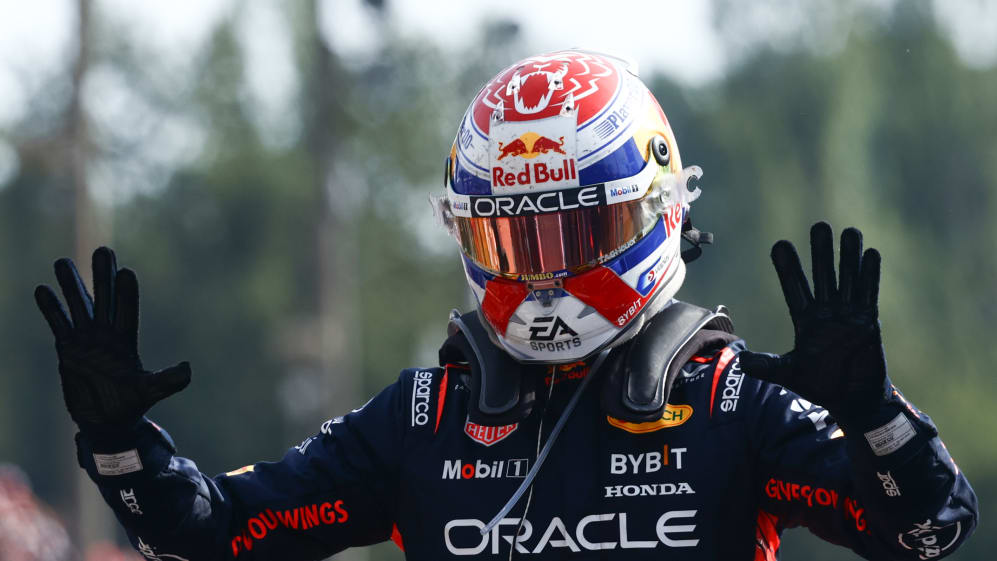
(561, 231)
(548, 243)
(544, 233)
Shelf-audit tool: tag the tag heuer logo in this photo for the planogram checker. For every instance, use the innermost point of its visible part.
(488, 435)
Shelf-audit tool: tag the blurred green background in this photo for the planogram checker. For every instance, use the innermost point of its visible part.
(286, 248)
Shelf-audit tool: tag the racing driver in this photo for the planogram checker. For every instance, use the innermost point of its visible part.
(579, 410)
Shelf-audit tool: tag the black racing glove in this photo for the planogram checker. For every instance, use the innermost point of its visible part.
(838, 360)
(103, 381)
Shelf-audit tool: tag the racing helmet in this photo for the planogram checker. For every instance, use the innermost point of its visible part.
(567, 196)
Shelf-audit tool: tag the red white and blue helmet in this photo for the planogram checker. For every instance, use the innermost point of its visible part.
(566, 193)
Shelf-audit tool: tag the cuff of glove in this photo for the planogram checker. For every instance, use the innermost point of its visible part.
(142, 449)
(888, 432)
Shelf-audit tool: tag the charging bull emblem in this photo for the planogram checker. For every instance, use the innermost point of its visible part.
(530, 145)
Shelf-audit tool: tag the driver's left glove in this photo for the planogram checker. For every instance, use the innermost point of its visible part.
(837, 360)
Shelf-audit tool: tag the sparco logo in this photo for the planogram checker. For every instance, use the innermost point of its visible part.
(421, 388)
(463, 536)
(456, 469)
(128, 497)
(889, 484)
(732, 387)
(537, 203)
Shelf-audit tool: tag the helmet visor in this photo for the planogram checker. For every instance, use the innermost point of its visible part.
(518, 236)
(554, 232)
(550, 243)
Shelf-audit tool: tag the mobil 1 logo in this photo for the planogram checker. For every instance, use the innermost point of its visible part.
(545, 332)
(496, 469)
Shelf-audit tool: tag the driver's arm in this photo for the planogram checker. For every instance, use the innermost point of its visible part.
(885, 486)
(334, 490)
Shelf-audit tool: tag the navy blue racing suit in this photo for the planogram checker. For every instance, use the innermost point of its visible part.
(731, 463)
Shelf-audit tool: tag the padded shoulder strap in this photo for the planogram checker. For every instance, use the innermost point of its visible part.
(502, 389)
(638, 390)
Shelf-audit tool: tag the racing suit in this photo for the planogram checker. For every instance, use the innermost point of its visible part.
(731, 463)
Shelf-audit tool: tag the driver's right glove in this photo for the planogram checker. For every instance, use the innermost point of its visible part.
(103, 382)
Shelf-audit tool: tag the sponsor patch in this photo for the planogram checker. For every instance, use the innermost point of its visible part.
(649, 278)
(646, 462)
(496, 469)
(630, 312)
(526, 156)
(648, 490)
(118, 464)
(726, 356)
(888, 438)
(731, 392)
(422, 388)
(562, 372)
(548, 328)
(817, 497)
(488, 435)
(673, 416)
(674, 528)
(128, 497)
(528, 203)
(889, 484)
(929, 539)
(301, 518)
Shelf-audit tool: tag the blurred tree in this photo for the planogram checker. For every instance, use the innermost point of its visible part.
(891, 133)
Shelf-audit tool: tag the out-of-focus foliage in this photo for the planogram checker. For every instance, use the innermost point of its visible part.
(894, 135)
(891, 133)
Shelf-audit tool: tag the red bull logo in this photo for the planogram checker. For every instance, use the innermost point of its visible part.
(530, 145)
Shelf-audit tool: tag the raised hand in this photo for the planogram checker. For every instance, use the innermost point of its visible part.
(103, 381)
(838, 360)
